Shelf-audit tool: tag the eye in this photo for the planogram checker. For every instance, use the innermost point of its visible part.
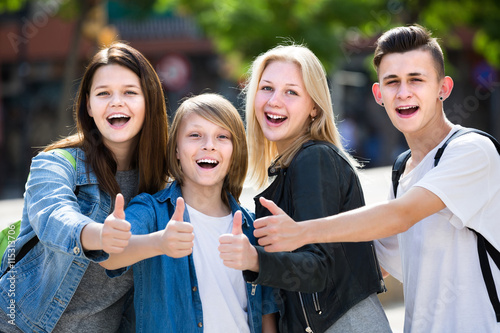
(291, 92)
(131, 92)
(416, 80)
(266, 88)
(225, 136)
(193, 135)
(102, 93)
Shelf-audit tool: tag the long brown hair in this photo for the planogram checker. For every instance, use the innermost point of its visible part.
(149, 155)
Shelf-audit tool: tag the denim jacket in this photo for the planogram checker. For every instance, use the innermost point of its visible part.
(166, 289)
(58, 202)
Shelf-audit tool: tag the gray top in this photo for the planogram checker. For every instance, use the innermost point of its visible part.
(97, 305)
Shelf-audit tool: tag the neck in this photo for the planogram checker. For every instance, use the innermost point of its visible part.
(206, 200)
(423, 141)
(123, 156)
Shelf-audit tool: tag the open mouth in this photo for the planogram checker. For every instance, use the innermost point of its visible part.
(118, 119)
(407, 111)
(207, 163)
(275, 119)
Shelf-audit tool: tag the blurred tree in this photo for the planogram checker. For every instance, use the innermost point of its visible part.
(334, 29)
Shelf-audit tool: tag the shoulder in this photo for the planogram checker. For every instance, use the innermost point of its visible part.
(320, 154)
(473, 144)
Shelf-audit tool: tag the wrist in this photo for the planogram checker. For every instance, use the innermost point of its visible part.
(90, 236)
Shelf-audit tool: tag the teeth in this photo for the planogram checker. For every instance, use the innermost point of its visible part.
(206, 160)
(116, 116)
(406, 107)
(274, 116)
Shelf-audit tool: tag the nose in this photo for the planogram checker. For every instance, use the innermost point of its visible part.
(404, 91)
(274, 100)
(208, 144)
(116, 100)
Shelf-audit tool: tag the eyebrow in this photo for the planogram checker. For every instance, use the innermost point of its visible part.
(287, 84)
(393, 76)
(126, 86)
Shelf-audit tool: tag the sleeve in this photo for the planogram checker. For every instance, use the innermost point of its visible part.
(466, 178)
(269, 297)
(141, 216)
(388, 255)
(52, 207)
(315, 191)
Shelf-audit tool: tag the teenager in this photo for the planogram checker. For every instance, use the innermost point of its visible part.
(121, 124)
(181, 284)
(291, 130)
(434, 253)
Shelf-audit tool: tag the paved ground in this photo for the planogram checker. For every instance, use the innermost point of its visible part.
(376, 184)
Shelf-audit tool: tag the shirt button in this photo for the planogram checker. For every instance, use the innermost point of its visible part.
(76, 250)
(200, 324)
(195, 289)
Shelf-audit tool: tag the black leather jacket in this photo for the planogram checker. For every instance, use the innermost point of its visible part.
(319, 282)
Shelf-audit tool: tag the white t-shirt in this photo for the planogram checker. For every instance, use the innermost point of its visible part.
(443, 285)
(222, 289)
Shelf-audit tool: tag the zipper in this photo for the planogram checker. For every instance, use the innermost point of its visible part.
(254, 286)
(317, 307)
(381, 279)
(308, 328)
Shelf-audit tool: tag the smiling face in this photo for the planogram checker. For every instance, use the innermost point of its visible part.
(204, 150)
(283, 107)
(410, 89)
(117, 104)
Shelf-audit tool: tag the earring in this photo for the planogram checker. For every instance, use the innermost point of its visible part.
(313, 119)
(441, 98)
(382, 104)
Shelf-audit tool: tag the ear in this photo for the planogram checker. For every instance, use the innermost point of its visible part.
(177, 153)
(89, 109)
(376, 93)
(314, 112)
(446, 87)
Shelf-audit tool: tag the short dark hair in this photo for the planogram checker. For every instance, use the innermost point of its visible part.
(409, 38)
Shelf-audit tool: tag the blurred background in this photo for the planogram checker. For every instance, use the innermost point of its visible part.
(207, 45)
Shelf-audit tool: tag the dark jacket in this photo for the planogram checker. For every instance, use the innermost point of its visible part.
(319, 282)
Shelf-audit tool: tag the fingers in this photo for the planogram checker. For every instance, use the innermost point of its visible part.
(119, 211)
(271, 206)
(115, 235)
(237, 221)
(179, 210)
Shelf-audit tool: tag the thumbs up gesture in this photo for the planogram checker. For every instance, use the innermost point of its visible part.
(235, 248)
(177, 238)
(278, 232)
(115, 233)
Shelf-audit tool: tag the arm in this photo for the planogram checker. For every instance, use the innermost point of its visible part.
(317, 183)
(176, 240)
(281, 233)
(269, 324)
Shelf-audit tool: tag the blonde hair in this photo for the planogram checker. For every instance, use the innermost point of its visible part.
(263, 152)
(221, 112)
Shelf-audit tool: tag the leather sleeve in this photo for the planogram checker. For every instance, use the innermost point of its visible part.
(318, 182)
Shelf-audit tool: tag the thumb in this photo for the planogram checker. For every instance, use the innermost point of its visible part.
(237, 221)
(271, 206)
(179, 210)
(119, 212)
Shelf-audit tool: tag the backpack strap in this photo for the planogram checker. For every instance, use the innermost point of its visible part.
(398, 168)
(483, 246)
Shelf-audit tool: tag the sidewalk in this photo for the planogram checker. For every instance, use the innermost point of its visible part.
(376, 184)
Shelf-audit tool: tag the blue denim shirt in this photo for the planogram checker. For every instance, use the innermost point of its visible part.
(43, 282)
(166, 289)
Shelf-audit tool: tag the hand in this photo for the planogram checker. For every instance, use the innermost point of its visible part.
(115, 233)
(177, 238)
(235, 248)
(278, 232)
